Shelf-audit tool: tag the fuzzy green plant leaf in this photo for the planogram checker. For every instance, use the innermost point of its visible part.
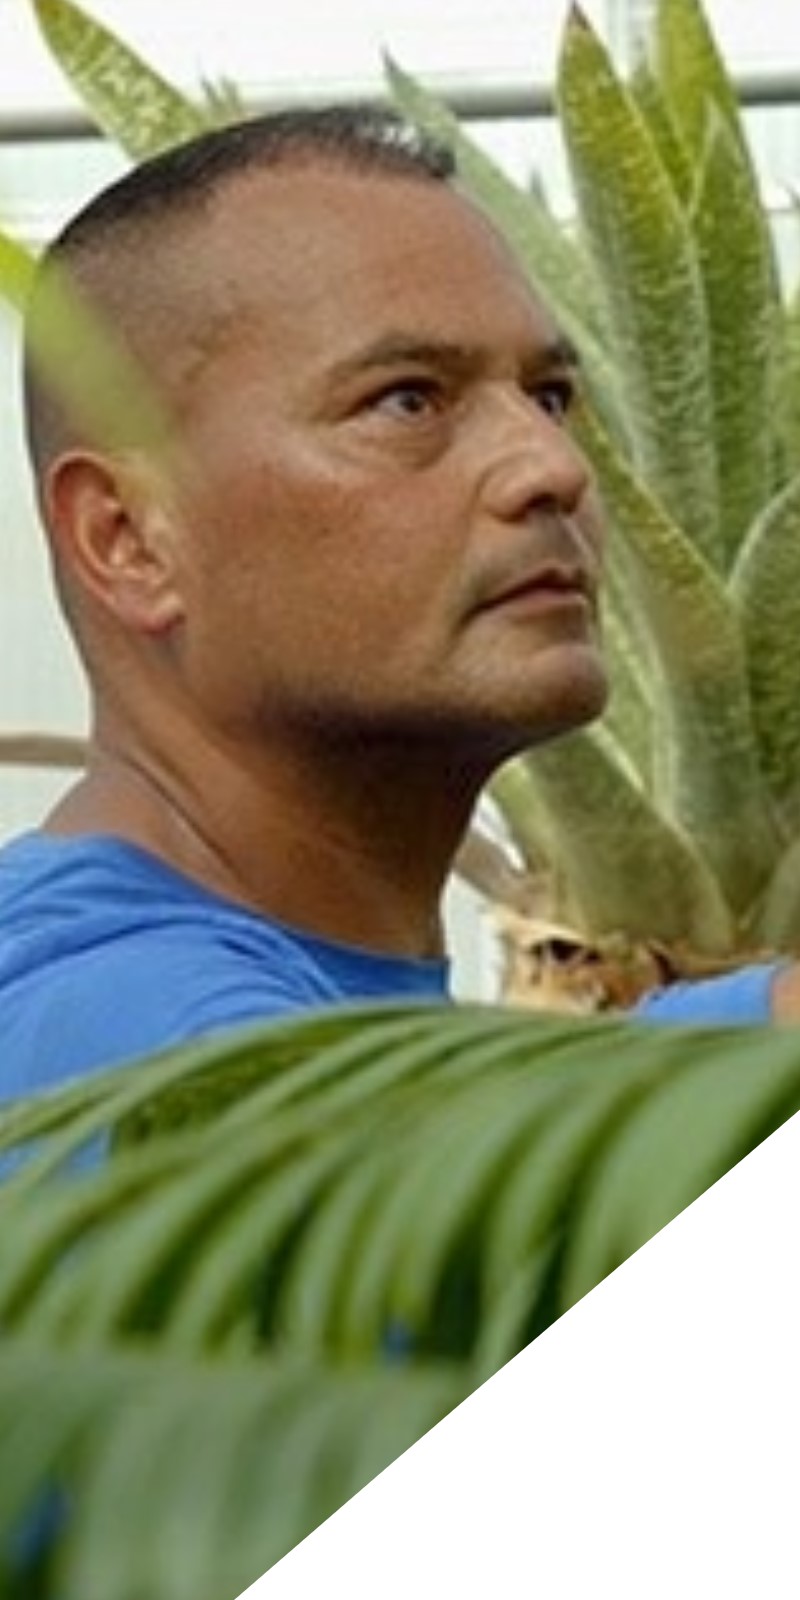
(129, 99)
(223, 100)
(92, 375)
(646, 262)
(631, 706)
(707, 775)
(742, 295)
(788, 400)
(554, 263)
(775, 924)
(630, 646)
(692, 74)
(765, 592)
(17, 270)
(648, 96)
(620, 864)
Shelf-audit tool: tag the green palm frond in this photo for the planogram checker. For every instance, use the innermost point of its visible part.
(330, 1181)
(308, 1243)
(186, 1480)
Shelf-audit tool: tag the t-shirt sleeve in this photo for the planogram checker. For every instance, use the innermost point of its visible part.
(742, 997)
(134, 1002)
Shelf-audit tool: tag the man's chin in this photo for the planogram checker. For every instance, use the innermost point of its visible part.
(566, 692)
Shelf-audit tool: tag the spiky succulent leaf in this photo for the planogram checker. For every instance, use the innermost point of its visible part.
(742, 295)
(649, 98)
(788, 417)
(129, 99)
(737, 253)
(775, 923)
(633, 697)
(692, 74)
(645, 257)
(765, 592)
(621, 865)
(707, 775)
(223, 101)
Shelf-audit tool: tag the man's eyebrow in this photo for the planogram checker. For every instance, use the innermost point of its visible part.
(393, 349)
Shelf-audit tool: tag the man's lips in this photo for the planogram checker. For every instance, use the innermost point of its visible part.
(552, 583)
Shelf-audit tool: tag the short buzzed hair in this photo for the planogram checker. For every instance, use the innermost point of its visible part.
(118, 223)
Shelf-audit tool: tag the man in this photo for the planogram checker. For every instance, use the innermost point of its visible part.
(360, 575)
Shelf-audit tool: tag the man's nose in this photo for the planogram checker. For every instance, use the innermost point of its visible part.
(530, 459)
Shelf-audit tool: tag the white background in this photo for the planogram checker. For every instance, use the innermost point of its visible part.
(644, 1448)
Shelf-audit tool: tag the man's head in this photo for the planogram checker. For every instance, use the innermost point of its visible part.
(100, 246)
(376, 524)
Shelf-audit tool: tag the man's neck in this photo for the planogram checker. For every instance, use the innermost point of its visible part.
(352, 851)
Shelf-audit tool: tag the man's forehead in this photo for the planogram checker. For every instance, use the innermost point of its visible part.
(326, 212)
(346, 269)
(358, 238)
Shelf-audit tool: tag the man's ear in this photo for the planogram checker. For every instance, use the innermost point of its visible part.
(113, 534)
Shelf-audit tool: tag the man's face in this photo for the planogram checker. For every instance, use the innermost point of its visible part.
(388, 530)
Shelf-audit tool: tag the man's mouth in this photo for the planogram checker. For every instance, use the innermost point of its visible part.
(547, 587)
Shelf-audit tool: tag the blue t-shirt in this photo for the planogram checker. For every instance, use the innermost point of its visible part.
(107, 954)
(730, 999)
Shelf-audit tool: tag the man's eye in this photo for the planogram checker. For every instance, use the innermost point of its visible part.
(414, 397)
(555, 397)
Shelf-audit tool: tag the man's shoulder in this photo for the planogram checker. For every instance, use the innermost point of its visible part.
(740, 997)
(108, 955)
(82, 892)
(41, 868)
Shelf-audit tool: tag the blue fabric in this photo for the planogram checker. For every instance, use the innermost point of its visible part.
(107, 954)
(741, 997)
